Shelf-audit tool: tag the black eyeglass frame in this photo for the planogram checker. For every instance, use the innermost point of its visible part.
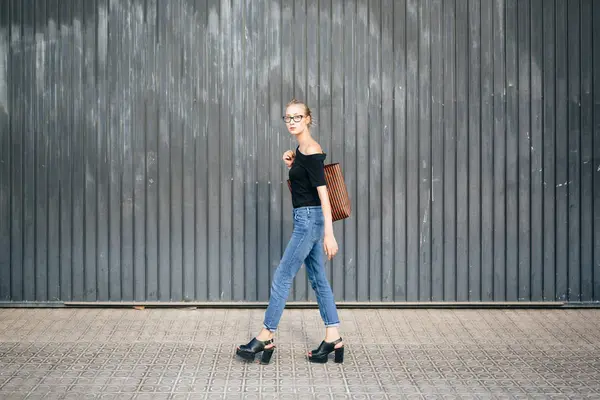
(297, 118)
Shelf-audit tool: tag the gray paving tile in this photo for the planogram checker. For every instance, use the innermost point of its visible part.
(390, 354)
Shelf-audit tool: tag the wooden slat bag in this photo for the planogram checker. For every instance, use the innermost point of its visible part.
(336, 188)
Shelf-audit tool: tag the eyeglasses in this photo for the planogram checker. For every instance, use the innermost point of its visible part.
(297, 118)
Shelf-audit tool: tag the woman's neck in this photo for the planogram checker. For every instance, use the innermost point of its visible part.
(304, 138)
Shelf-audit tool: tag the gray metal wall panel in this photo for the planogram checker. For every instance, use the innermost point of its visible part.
(140, 146)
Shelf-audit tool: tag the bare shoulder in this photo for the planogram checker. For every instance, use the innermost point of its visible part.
(314, 148)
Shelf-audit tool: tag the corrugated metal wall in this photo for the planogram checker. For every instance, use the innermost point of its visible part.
(141, 147)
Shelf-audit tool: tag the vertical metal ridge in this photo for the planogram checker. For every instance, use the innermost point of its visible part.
(596, 155)
(406, 149)
(220, 168)
(443, 21)
(355, 153)
(5, 155)
(480, 151)
(10, 100)
(504, 249)
(454, 142)
(430, 153)
(22, 156)
(493, 163)
(381, 107)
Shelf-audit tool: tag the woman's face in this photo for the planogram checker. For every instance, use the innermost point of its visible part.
(295, 119)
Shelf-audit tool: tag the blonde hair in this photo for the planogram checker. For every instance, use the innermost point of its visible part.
(307, 111)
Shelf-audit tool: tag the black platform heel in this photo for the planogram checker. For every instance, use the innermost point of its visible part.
(255, 346)
(321, 354)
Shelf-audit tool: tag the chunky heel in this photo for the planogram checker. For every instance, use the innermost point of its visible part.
(250, 350)
(266, 355)
(339, 355)
(321, 354)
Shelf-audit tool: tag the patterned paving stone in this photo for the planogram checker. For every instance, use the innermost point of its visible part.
(390, 354)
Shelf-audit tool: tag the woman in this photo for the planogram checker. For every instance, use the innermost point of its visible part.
(312, 239)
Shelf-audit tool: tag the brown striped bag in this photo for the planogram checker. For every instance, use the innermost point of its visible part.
(336, 188)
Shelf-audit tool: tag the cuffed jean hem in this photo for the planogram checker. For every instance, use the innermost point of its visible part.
(336, 325)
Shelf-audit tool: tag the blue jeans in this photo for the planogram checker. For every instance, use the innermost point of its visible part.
(305, 246)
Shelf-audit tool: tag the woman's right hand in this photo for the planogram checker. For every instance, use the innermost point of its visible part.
(288, 158)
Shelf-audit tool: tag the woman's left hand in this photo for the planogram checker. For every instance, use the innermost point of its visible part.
(330, 245)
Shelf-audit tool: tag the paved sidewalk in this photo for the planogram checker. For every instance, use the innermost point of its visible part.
(390, 354)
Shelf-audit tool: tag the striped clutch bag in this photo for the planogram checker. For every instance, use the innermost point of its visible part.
(336, 188)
